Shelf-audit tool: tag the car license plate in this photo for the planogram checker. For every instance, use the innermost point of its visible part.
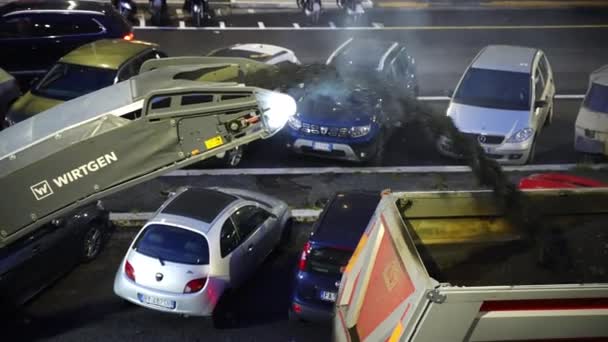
(165, 303)
(328, 296)
(319, 146)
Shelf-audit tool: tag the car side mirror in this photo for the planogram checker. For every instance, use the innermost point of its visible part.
(449, 93)
(540, 104)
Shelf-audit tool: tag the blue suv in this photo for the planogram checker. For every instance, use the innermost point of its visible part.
(344, 123)
(324, 256)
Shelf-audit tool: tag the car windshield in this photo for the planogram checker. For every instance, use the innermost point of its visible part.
(597, 98)
(494, 89)
(174, 244)
(258, 56)
(67, 81)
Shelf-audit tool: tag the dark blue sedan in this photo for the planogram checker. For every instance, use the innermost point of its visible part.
(332, 242)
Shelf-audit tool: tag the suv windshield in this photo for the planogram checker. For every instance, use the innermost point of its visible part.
(173, 244)
(67, 81)
(494, 89)
(597, 98)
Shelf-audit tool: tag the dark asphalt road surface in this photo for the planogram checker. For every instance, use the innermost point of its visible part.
(83, 307)
(442, 54)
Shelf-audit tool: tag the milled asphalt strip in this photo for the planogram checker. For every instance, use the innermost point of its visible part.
(298, 214)
(368, 170)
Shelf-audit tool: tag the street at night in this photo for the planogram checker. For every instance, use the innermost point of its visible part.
(157, 199)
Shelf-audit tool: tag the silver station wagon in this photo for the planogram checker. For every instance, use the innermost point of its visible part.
(503, 100)
(201, 242)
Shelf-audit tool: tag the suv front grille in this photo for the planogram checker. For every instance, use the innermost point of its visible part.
(341, 132)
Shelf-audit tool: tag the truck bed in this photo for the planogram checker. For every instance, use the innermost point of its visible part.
(569, 248)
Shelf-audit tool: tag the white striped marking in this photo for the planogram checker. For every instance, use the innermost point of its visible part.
(332, 25)
(261, 25)
(409, 28)
(296, 25)
(297, 213)
(222, 24)
(182, 24)
(142, 20)
(368, 170)
(180, 13)
(377, 25)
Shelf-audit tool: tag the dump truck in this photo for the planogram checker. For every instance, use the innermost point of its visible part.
(166, 118)
(460, 266)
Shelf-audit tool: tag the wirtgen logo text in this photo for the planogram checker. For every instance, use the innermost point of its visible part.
(43, 189)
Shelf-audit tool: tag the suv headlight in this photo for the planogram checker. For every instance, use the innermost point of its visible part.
(359, 131)
(276, 107)
(521, 135)
(294, 123)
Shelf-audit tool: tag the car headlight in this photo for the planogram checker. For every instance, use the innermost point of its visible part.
(521, 135)
(295, 123)
(277, 108)
(359, 131)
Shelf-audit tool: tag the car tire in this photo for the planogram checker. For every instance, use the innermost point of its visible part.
(92, 243)
(532, 154)
(549, 119)
(234, 156)
(293, 317)
(222, 316)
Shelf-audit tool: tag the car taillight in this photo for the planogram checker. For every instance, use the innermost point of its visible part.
(129, 36)
(129, 271)
(304, 256)
(195, 285)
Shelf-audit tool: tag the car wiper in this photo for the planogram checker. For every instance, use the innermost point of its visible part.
(162, 262)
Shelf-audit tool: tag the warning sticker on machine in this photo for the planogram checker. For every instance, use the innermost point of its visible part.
(214, 142)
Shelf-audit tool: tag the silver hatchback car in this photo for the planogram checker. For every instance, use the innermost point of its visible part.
(201, 242)
(504, 99)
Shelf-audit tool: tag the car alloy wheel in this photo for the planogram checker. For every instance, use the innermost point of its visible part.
(92, 242)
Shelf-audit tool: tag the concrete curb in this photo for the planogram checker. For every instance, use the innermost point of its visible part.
(131, 219)
(367, 170)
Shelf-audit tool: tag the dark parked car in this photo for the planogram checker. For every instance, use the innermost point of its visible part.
(348, 120)
(35, 34)
(29, 265)
(332, 242)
